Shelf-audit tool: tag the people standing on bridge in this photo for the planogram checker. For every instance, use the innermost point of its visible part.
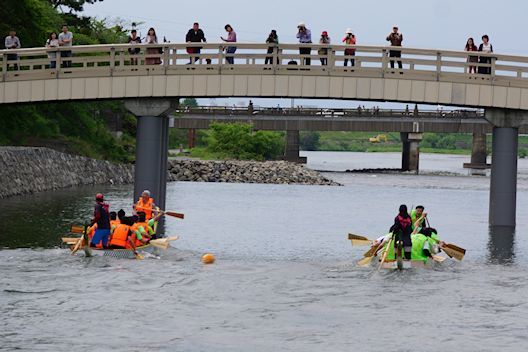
(273, 38)
(349, 39)
(486, 48)
(134, 40)
(231, 38)
(52, 43)
(396, 39)
(146, 204)
(66, 40)
(152, 38)
(305, 37)
(12, 42)
(195, 35)
(470, 46)
(324, 40)
(102, 219)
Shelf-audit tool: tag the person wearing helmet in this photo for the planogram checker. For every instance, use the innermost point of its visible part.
(102, 219)
(305, 37)
(325, 40)
(349, 39)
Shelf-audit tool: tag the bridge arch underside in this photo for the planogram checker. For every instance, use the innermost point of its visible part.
(283, 85)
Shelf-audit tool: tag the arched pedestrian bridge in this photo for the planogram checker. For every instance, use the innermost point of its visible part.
(105, 72)
(166, 71)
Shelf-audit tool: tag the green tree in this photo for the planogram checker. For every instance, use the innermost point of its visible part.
(310, 141)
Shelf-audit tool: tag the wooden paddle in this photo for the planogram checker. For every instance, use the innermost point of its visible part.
(450, 249)
(81, 240)
(385, 253)
(163, 243)
(359, 240)
(169, 213)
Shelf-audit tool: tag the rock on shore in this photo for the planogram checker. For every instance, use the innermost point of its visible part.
(277, 172)
(25, 170)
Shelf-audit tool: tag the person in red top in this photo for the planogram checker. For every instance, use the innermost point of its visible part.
(402, 229)
(102, 219)
(350, 39)
(470, 46)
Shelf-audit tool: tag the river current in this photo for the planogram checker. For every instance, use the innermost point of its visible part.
(285, 277)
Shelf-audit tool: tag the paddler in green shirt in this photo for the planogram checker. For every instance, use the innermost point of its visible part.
(418, 214)
(425, 244)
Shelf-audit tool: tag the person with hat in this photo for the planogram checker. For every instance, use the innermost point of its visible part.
(102, 219)
(396, 39)
(305, 37)
(325, 40)
(145, 204)
(349, 39)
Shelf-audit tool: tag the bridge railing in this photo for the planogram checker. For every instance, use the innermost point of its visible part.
(323, 112)
(323, 60)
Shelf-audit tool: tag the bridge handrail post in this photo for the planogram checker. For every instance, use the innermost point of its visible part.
(112, 60)
(331, 59)
(121, 59)
(384, 62)
(220, 58)
(492, 68)
(165, 58)
(4, 67)
(276, 57)
(438, 65)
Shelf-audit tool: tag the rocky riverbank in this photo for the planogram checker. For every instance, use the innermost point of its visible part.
(276, 172)
(25, 170)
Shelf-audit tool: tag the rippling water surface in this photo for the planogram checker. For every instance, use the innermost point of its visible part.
(285, 277)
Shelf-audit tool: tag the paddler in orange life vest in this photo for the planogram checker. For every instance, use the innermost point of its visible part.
(145, 204)
(102, 219)
(402, 230)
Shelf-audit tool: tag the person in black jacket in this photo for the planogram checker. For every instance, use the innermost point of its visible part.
(487, 48)
(195, 35)
(402, 229)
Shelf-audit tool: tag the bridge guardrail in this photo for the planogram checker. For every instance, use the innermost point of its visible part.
(168, 58)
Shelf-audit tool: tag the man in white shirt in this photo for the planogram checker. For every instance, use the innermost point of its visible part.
(66, 40)
(12, 42)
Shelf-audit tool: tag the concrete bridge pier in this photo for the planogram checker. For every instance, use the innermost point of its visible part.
(411, 151)
(291, 150)
(152, 146)
(503, 190)
(479, 153)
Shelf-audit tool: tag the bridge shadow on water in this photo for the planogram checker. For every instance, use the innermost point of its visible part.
(501, 245)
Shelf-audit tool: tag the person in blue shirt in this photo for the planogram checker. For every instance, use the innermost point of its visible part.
(305, 37)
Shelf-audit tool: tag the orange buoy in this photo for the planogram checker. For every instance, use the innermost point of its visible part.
(208, 258)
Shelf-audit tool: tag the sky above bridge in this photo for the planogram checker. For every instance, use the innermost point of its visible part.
(443, 24)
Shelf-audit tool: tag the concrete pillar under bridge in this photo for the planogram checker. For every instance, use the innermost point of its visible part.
(411, 151)
(151, 146)
(479, 153)
(292, 148)
(503, 189)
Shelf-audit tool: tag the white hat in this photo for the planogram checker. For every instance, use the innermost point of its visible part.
(349, 31)
(301, 24)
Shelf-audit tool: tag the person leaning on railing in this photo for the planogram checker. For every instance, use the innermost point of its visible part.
(152, 38)
(487, 48)
(396, 39)
(52, 42)
(470, 46)
(195, 35)
(273, 38)
(305, 37)
(134, 40)
(12, 42)
(66, 40)
(231, 38)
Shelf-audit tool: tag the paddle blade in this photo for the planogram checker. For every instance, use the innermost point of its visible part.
(174, 214)
(371, 252)
(161, 243)
(351, 236)
(456, 248)
(365, 261)
(77, 229)
(453, 253)
(438, 259)
(360, 243)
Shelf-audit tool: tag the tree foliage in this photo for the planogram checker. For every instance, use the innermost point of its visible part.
(239, 141)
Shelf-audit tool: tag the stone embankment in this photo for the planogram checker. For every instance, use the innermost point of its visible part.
(277, 172)
(25, 170)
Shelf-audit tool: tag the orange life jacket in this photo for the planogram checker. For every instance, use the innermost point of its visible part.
(135, 228)
(120, 236)
(145, 207)
(114, 223)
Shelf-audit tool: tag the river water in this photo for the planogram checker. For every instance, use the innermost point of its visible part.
(285, 277)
